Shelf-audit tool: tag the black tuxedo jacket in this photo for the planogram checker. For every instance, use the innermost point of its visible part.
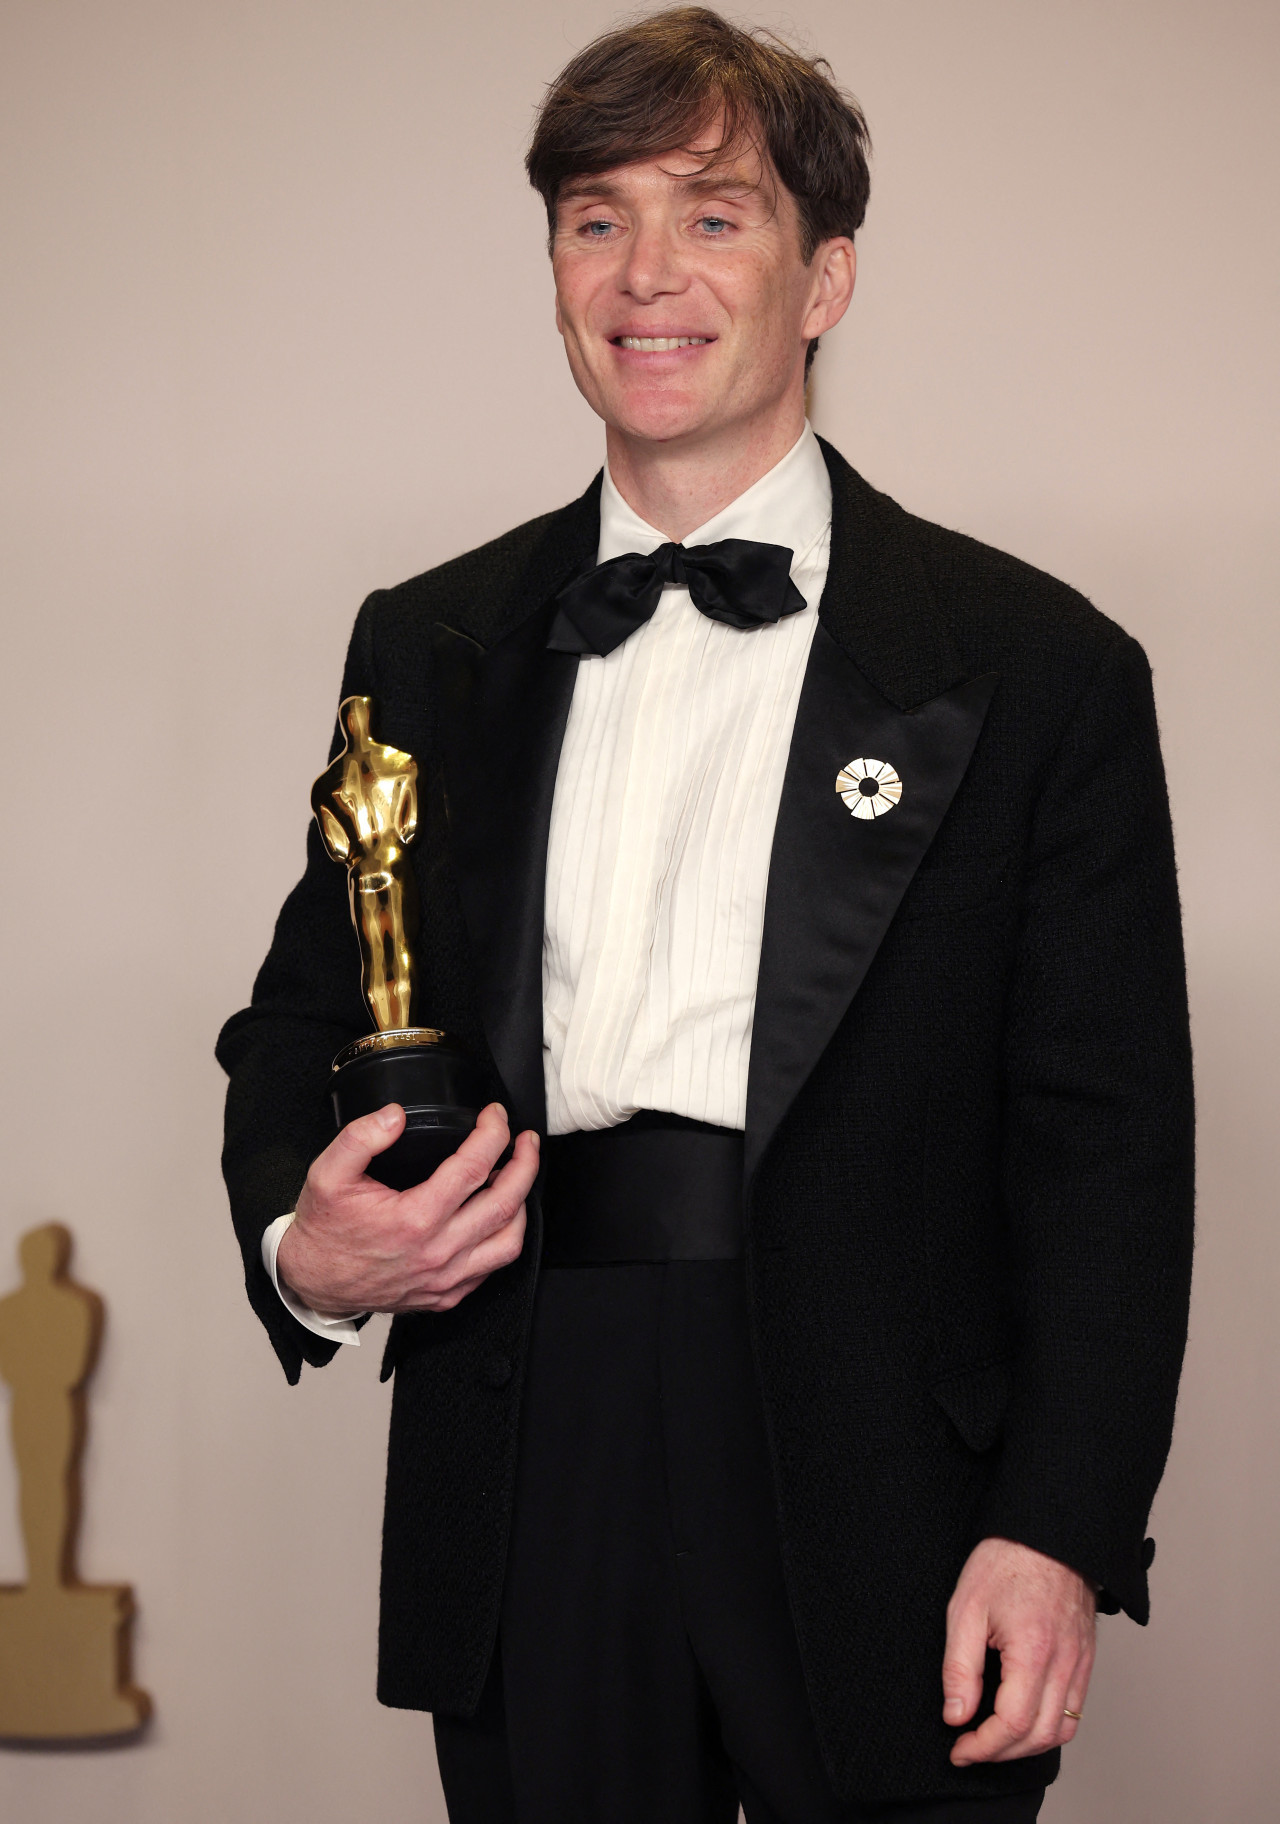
(969, 1116)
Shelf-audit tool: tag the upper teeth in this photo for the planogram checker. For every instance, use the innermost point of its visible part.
(656, 345)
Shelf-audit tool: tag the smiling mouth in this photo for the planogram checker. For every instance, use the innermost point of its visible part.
(659, 345)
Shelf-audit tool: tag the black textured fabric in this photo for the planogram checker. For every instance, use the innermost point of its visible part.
(969, 1213)
(736, 580)
(647, 1670)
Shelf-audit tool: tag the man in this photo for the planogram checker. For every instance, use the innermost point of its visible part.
(802, 874)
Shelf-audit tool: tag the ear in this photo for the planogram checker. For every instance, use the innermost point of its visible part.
(834, 268)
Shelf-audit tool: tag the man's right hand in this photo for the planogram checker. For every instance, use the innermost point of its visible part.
(355, 1245)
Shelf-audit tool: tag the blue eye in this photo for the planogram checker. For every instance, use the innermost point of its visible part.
(604, 228)
(713, 223)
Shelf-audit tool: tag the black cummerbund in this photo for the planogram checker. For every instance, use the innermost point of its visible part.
(659, 1187)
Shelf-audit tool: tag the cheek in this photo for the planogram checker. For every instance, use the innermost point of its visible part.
(769, 338)
(757, 296)
(575, 296)
(568, 283)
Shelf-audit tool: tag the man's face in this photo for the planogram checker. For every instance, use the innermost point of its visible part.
(705, 264)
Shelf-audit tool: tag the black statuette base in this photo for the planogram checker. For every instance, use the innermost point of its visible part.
(438, 1086)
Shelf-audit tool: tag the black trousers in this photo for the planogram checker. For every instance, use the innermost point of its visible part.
(647, 1670)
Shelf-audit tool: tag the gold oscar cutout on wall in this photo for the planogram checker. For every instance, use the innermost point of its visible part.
(64, 1645)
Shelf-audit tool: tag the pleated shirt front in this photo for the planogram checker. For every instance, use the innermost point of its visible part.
(662, 825)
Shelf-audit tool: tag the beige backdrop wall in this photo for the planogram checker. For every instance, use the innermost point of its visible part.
(276, 330)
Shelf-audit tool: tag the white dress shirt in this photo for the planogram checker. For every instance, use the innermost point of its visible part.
(661, 831)
(662, 825)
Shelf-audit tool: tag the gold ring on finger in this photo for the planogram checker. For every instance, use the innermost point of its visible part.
(1077, 1716)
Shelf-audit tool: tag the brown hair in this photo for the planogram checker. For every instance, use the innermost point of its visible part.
(649, 87)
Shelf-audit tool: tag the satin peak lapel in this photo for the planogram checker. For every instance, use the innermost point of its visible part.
(836, 880)
(502, 721)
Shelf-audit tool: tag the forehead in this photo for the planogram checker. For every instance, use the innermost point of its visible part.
(703, 168)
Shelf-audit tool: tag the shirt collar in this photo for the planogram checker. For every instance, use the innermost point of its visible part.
(790, 505)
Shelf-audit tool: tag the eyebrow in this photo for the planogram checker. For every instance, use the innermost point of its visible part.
(589, 188)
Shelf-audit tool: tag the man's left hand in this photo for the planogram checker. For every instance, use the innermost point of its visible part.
(1040, 1617)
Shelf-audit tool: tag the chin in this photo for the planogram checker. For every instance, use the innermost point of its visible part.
(657, 418)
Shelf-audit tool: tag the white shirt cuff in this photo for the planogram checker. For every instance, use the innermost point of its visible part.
(332, 1329)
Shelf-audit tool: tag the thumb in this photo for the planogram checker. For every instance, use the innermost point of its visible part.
(364, 1138)
(963, 1663)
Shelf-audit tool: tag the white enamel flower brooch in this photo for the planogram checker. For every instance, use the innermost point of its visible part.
(869, 787)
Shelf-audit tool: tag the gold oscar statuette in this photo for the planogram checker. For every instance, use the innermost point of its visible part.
(64, 1645)
(366, 807)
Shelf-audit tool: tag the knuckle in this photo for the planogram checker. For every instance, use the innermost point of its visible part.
(486, 1213)
(434, 1256)
(1036, 1645)
(507, 1207)
(456, 1178)
(347, 1140)
(320, 1177)
(1017, 1719)
(467, 1175)
(477, 1170)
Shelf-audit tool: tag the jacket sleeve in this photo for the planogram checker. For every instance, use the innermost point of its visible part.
(277, 1052)
(1098, 1149)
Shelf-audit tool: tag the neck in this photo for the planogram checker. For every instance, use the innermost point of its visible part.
(679, 485)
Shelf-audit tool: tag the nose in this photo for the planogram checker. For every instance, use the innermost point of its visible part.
(652, 267)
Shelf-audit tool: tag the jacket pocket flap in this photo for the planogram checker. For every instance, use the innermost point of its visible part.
(975, 1402)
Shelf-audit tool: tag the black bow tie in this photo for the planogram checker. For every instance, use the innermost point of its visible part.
(736, 580)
